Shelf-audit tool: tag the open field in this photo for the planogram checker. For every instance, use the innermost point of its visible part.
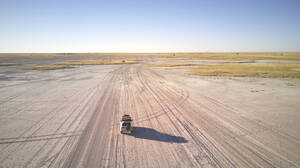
(9, 64)
(174, 64)
(98, 62)
(70, 117)
(237, 56)
(47, 67)
(68, 64)
(209, 56)
(269, 70)
(240, 69)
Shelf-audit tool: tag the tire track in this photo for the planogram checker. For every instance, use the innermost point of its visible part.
(172, 128)
(80, 155)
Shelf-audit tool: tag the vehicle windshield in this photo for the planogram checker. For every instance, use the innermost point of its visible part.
(125, 124)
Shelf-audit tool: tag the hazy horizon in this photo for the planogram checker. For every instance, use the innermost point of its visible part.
(147, 52)
(149, 26)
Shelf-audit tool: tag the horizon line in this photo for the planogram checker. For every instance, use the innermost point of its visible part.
(148, 52)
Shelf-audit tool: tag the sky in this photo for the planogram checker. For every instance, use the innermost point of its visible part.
(30, 26)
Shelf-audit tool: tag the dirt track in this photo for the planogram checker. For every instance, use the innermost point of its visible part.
(72, 120)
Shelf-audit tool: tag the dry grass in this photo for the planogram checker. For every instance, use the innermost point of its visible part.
(271, 70)
(237, 62)
(174, 64)
(68, 64)
(33, 55)
(293, 83)
(47, 67)
(98, 62)
(244, 56)
(290, 84)
(206, 56)
(9, 64)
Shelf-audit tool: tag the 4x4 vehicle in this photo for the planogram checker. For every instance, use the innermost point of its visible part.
(126, 124)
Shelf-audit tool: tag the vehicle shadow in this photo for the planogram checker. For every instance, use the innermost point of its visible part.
(152, 134)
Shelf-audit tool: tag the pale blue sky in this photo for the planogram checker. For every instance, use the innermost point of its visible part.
(149, 25)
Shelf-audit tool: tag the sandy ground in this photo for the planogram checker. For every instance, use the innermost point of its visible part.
(70, 118)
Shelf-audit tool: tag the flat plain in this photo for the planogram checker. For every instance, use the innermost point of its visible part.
(188, 110)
